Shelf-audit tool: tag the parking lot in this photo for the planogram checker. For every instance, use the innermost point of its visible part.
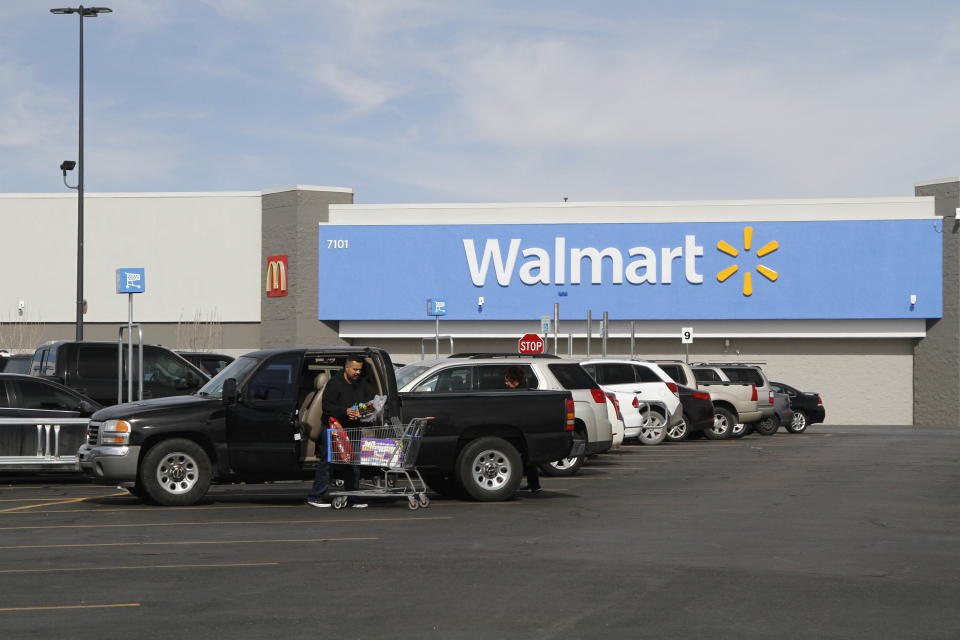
(842, 532)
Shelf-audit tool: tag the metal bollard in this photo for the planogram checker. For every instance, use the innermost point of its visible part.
(56, 442)
(46, 448)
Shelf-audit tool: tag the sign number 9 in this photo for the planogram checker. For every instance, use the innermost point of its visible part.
(686, 335)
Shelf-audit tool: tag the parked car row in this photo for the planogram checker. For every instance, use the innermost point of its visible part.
(609, 401)
(647, 401)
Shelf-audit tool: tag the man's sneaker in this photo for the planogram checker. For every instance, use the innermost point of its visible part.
(320, 504)
(358, 505)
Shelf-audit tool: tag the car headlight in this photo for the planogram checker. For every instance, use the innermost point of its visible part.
(115, 432)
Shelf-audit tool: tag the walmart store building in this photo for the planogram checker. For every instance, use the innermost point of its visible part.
(854, 298)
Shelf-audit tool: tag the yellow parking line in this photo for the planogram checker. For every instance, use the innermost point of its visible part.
(73, 606)
(181, 542)
(43, 499)
(165, 509)
(227, 522)
(152, 566)
(50, 504)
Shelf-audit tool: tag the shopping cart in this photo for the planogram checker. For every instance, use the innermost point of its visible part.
(393, 449)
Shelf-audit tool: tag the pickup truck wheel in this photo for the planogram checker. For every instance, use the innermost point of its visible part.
(800, 422)
(562, 467)
(738, 430)
(175, 472)
(489, 469)
(768, 426)
(723, 422)
(680, 431)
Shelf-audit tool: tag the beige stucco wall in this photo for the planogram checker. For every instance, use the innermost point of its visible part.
(201, 252)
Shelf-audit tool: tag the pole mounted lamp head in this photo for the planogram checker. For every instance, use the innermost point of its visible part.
(85, 12)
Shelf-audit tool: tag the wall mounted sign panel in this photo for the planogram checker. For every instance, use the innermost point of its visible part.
(644, 271)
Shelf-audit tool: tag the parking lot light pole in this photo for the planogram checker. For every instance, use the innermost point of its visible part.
(82, 12)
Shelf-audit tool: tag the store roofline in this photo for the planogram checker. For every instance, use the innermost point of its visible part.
(178, 194)
(640, 203)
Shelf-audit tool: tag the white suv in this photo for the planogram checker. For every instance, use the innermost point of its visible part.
(649, 398)
(485, 372)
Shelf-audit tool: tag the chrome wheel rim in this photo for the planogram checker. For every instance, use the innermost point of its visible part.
(564, 463)
(491, 470)
(177, 472)
(799, 421)
(651, 434)
(678, 430)
(720, 425)
(738, 428)
(651, 419)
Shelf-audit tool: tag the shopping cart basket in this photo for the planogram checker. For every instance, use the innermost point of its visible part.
(393, 449)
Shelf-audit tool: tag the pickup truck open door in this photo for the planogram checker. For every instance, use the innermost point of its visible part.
(262, 425)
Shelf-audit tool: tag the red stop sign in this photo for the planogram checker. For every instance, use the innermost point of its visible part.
(530, 343)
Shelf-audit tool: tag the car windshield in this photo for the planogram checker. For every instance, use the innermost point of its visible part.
(406, 375)
(238, 370)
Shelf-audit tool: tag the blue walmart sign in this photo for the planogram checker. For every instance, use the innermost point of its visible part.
(662, 271)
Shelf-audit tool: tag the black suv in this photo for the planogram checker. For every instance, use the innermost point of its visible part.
(92, 368)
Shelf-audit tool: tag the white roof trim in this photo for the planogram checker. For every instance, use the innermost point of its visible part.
(588, 213)
(640, 203)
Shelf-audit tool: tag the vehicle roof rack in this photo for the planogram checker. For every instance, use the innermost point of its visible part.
(478, 355)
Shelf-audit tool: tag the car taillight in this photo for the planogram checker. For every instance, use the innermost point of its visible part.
(598, 396)
(673, 388)
(616, 404)
(771, 397)
(635, 403)
(571, 414)
(699, 395)
(753, 392)
(819, 400)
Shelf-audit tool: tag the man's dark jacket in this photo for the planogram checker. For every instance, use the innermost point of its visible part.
(339, 395)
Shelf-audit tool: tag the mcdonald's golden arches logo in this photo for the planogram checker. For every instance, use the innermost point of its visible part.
(276, 282)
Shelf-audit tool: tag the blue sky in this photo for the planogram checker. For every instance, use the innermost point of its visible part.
(466, 101)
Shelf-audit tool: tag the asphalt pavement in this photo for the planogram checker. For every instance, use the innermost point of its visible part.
(842, 532)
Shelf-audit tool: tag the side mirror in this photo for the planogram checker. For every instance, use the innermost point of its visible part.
(86, 408)
(229, 394)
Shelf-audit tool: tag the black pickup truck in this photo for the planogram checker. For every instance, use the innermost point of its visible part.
(245, 425)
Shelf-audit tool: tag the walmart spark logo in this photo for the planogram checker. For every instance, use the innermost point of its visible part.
(766, 272)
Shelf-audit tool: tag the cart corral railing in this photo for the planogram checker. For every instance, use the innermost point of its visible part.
(41, 444)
